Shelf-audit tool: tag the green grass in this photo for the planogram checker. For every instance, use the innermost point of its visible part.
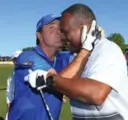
(65, 112)
(5, 71)
(3, 105)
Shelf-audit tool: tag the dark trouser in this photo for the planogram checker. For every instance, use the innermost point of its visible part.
(116, 117)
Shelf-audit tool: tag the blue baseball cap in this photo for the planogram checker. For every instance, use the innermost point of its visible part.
(45, 20)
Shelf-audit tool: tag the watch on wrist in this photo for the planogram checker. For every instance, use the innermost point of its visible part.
(50, 81)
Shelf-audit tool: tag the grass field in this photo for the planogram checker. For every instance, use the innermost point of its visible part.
(5, 71)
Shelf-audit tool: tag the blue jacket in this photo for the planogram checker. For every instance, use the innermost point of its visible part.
(28, 104)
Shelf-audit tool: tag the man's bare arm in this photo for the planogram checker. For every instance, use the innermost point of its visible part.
(83, 89)
(76, 67)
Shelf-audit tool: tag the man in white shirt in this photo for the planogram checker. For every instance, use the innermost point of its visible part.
(98, 90)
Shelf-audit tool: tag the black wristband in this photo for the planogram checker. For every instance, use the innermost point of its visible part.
(50, 81)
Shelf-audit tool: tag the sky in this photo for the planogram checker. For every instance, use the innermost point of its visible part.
(18, 19)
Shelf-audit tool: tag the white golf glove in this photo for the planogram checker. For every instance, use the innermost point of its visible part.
(37, 79)
(89, 39)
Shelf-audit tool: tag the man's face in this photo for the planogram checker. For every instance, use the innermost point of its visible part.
(51, 34)
(72, 31)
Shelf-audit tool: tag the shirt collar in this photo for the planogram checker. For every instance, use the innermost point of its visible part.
(41, 52)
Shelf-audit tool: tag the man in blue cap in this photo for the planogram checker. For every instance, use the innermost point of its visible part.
(27, 103)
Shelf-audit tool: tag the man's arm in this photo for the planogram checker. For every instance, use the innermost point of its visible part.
(76, 67)
(83, 89)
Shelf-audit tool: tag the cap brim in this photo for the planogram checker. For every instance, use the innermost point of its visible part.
(56, 18)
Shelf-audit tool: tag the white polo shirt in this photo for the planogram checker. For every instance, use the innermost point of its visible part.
(106, 64)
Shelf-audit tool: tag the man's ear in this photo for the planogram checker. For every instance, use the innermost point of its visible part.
(38, 35)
